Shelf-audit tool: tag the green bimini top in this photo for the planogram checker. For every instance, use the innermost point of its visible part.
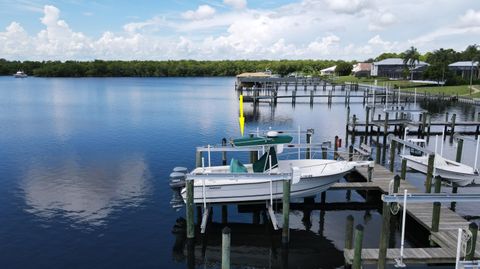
(260, 141)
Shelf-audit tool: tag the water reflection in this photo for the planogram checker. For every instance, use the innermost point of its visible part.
(256, 246)
(86, 192)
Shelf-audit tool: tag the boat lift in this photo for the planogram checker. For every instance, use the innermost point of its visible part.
(430, 198)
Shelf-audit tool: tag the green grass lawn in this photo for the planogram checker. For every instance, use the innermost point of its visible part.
(463, 90)
(449, 90)
(380, 81)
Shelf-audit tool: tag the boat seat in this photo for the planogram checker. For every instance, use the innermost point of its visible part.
(263, 163)
(237, 167)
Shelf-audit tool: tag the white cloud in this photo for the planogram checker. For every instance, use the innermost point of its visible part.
(202, 12)
(470, 19)
(14, 41)
(347, 6)
(58, 38)
(237, 4)
(382, 21)
(467, 24)
(324, 29)
(323, 46)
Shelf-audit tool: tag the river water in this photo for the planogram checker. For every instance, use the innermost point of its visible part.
(85, 163)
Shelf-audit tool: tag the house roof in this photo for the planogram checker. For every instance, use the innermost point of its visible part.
(396, 61)
(255, 74)
(463, 64)
(329, 69)
(362, 67)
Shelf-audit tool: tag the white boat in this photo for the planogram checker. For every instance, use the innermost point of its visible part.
(257, 182)
(458, 173)
(20, 74)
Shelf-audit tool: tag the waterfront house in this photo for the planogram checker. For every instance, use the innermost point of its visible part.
(362, 69)
(394, 68)
(328, 71)
(465, 68)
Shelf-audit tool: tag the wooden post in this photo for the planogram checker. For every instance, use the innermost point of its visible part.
(350, 153)
(459, 150)
(308, 153)
(473, 227)
(384, 237)
(198, 159)
(349, 233)
(335, 148)
(393, 147)
(436, 206)
(454, 190)
(253, 154)
(429, 124)
(357, 254)
(354, 124)
(226, 248)
(403, 173)
(224, 153)
(446, 123)
(370, 171)
(286, 212)
(396, 183)
(424, 122)
(428, 181)
(367, 117)
(311, 98)
(294, 94)
(324, 153)
(348, 118)
(452, 131)
(378, 153)
(189, 210)
(385, 133)
(224, 214)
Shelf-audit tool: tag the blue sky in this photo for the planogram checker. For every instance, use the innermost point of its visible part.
(232, 29)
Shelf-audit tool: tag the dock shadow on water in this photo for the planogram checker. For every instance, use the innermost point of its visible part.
(257, 246)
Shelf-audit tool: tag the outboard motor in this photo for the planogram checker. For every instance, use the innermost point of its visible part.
(178, 177)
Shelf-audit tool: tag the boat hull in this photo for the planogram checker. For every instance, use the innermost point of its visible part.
(250, 192)
(462, 179)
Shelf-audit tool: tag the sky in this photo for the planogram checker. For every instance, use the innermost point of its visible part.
(232, 29)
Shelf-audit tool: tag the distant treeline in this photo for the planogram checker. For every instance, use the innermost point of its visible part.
(99, 68)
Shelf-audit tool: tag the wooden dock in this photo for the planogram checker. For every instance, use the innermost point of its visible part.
(445, 238)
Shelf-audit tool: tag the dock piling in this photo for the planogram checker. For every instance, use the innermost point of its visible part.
(349, 233)
(393, 146)
(226, 240)
(189, 210)
(428, 181)
(224, 153)
(473, 227)
(458, 158)
(286, 212)
(377, 153)
(403, 173)
(357, 257)
(384, 237)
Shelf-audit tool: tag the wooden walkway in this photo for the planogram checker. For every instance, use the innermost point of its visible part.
(445, 238)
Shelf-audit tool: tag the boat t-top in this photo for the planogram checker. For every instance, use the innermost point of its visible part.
(263, 179)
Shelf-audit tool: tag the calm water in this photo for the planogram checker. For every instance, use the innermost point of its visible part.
(84, 174)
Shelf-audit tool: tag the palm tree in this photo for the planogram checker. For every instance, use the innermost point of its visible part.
(410, 58)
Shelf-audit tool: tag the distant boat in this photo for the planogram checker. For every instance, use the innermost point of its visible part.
(20, 74)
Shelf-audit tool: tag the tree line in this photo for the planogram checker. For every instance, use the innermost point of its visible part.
(437, 70)
(100, 68)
